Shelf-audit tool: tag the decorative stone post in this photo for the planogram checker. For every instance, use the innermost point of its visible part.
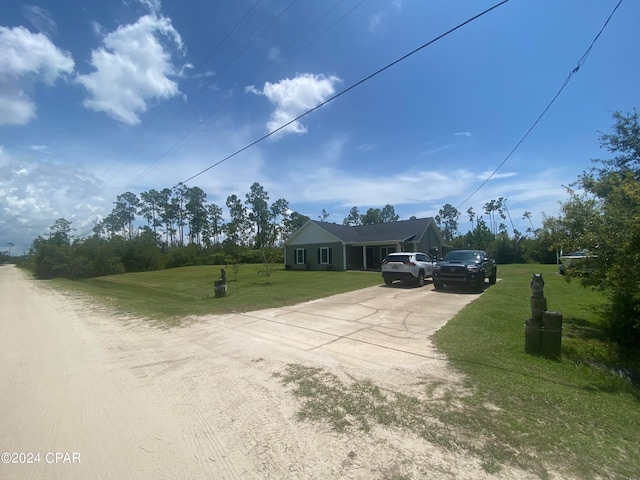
(551, 334)
(543, 331)
(538, 300)
(220, 286)
(533, 325)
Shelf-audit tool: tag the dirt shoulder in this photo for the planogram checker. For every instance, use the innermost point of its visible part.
(205, 401)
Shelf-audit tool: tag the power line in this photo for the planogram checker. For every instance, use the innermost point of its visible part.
(581, 62)
(388, 66)
(205, 123)
(185, 139)
(180, 88)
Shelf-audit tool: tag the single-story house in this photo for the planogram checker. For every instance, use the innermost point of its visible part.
(330, 246)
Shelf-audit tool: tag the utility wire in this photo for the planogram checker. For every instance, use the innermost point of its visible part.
(581, 62)
(404, 57)
(178, 92)
(208, 120)
(177, 146)
(185, 140)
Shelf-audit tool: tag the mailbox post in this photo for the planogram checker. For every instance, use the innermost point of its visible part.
(220, 286)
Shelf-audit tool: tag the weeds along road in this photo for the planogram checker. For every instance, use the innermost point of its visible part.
(86, 394)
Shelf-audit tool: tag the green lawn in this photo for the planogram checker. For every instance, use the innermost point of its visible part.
(167, 296)
(532, 411)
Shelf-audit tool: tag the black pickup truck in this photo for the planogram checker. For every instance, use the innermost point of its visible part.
(465, 267)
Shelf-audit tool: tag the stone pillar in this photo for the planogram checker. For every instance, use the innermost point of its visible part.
(551, 334)
(543, 331)
(538, 300)
(532, 326)
(220, 286)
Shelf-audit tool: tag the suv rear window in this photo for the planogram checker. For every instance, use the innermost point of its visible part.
(397, 258)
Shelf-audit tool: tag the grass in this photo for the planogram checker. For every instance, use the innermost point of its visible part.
(541, 415)
(569, 412)
(169, 296)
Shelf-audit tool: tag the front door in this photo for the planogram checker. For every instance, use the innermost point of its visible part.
(370, 258)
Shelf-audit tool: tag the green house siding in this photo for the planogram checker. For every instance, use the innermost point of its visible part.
(315, 256)
(331, 246)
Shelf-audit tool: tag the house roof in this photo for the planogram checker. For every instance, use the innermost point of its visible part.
(401, 231)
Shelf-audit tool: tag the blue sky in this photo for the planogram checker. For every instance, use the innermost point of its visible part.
(101, 98)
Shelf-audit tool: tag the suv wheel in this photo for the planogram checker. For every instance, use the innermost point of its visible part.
(387, 281)
(421, 279)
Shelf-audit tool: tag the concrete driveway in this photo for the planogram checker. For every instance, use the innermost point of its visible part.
(380, 326)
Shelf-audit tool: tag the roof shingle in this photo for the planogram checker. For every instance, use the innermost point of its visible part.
(401, 231)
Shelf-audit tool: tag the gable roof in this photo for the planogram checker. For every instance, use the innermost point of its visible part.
(401, 231)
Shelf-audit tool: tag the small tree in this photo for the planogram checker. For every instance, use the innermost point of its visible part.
(233, 251)
(267, 267)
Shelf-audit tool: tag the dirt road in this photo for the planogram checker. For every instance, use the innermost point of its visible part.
(85, 394)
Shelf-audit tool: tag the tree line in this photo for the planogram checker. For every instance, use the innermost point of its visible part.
(176, 227)
(181, 215)
(492, 234)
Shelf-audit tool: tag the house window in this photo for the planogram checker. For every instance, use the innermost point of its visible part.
(301, 256)
(324, 255)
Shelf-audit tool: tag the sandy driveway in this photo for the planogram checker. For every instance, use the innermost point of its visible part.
(124, 400)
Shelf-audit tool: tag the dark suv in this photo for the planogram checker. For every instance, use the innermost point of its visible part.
(465, 267)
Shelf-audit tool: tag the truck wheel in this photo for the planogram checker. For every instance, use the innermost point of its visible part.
(480, 285)
(421, 279)
(437, 285)
(493, 278)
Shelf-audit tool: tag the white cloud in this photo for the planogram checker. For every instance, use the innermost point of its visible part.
(154, 6)
(33, 194)
(40, 148)
(367, 147)
(405, 188)
(294, 96)
(463, 134)
(488, 173)
(375, 22)
(132, 67)
(25, 59)
(40, 18)
(435, 150)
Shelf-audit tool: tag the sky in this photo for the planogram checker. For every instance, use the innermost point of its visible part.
(102, 98)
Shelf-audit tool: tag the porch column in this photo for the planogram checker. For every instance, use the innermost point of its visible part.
(364, 256)
(344, 257)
